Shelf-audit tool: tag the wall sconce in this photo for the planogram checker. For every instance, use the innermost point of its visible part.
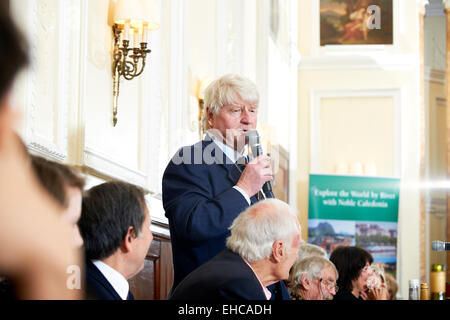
(200, 94)
(133, 20)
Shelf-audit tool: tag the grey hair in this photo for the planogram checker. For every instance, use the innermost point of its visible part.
(311, 267)
(255, 230)
(228, 89)
(308, 249)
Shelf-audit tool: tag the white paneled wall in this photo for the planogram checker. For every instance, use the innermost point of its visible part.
(66, 92)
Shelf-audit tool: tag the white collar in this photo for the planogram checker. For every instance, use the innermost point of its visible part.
(232, 154)
(115, 278)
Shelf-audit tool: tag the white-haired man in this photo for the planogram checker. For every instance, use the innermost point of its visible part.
(313, 278)
(308, 250)
(203, 188)
(260, 251)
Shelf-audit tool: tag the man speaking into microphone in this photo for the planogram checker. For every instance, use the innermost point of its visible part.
(206, 186)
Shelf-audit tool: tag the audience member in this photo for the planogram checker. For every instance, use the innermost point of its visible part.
(312, 278)
(260, 251)
(353, 265)
(392, 286)
(66, 186)
(376, 284)
(308, 249)
(37, 250)
(115, 226)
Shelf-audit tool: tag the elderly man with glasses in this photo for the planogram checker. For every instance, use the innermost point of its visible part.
(313, 278)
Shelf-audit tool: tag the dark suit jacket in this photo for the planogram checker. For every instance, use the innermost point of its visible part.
(200, 204)
(279, 291)
(98, 287)
(225, 277)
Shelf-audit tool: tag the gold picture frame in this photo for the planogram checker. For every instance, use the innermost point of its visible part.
(356, 22)
(280, 184)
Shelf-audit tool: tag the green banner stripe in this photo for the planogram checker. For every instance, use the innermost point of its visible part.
(353, 198)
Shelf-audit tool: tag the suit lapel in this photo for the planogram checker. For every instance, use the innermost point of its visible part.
(130, 296)
(220, 158)
(233, 173)
(236, 257)
(100, 278)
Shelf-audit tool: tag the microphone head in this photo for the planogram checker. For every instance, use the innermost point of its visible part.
(252, 137)
(438, 246)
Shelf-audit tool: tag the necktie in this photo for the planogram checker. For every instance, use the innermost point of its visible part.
(241, 163)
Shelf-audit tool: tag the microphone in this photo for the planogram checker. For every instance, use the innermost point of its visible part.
(255, 145)
(440, 246)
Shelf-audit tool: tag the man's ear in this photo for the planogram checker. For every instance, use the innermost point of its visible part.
(278, 251)
(305, 282)
(127, 243)
(209, 116)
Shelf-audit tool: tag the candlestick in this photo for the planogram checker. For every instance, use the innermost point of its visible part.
(127, 31)
(145, 34)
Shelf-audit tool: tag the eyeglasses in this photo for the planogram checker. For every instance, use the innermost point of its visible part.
(330, 285)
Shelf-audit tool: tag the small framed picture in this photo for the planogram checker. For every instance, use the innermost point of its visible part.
(356, 22)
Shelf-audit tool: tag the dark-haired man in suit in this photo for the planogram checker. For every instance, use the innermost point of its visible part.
(115, 226)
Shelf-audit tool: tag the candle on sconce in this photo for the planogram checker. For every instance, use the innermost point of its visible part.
(341, 168)
(356, 168)
(370, 169)
(136, 38)
(126, 31)
(145, 33)
(140, 35)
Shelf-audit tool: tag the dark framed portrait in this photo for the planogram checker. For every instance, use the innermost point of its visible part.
(356, 22)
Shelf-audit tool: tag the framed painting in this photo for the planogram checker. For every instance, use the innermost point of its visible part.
(280, 184)
(356, 22)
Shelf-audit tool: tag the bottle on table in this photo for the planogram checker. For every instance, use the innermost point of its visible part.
(414, 289)
(424, 291)
(437, 282)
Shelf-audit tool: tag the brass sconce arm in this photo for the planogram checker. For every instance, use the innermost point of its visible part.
(128, 62)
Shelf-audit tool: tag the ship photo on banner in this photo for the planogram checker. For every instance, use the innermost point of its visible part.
(355, 211)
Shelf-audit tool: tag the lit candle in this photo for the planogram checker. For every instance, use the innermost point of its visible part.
(127, 31)
(136, 38)
(145, 35)
(140, 37)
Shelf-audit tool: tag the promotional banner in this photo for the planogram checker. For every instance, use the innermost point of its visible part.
(355, 211)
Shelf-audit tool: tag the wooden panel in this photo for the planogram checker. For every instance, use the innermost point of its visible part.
(155, 280)
(166, 271)
(143, 285)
